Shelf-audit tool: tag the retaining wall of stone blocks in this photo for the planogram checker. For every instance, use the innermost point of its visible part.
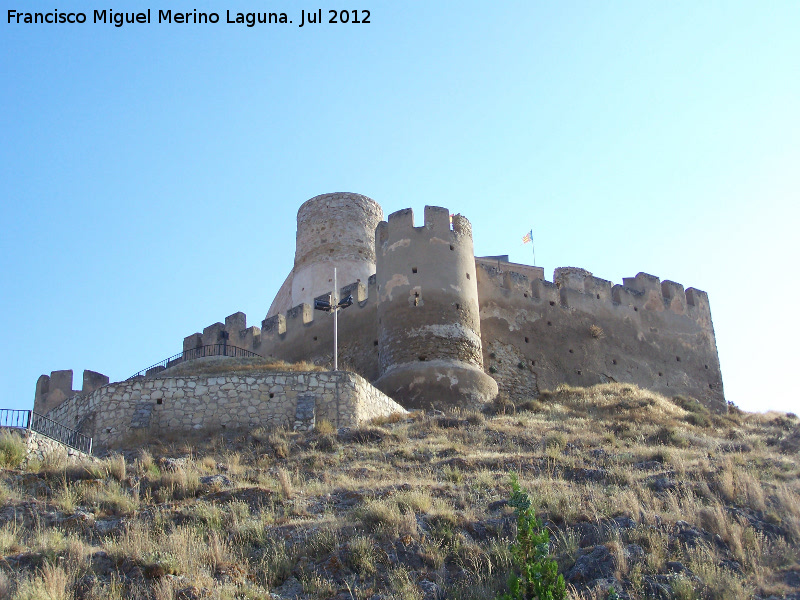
(171, 405)
(40, 448)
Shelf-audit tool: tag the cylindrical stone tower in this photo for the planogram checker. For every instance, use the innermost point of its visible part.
(333, 230)
(429, 337)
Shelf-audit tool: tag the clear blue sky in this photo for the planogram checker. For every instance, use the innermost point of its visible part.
(151, 174)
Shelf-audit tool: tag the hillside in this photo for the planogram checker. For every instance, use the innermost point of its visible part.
(643, 496)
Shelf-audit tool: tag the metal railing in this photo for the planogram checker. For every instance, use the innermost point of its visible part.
(60, 433)
(192, 354)
(10, 417)
(32, 421)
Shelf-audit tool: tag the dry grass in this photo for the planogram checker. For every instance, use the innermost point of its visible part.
(50, 583)
(324, 427)
(388, 506)
(12, 449)
(244, 365)
(285, 481)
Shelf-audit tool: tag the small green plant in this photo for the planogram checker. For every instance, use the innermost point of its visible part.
(453, 474)
(536, 575)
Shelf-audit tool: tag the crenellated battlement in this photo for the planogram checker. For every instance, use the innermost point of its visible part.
(295, 327)
(358, 290)
(234, 331)
(400, 229)
(580, 329)
(573, 286)
(53, 389)
(698, 299)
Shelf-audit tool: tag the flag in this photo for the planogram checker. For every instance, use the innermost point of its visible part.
(528, 237)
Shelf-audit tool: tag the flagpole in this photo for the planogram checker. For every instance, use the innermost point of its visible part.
(529, 238)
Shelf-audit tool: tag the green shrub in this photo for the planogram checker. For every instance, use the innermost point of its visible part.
(536, 573)
(698, 420)
(453, 474)
(12, 450)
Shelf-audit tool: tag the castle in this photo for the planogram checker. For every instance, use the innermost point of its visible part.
(431, 325)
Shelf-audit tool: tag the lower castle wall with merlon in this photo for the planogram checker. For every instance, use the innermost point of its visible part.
(303, 334)
(583, 330)
(53, 389)
(172, 405)
(652, 333)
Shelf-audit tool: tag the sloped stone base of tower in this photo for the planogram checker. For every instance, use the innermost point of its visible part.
(438, 385)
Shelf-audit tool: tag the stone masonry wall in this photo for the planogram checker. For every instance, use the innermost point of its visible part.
(582, 330)
(369, 402)
(237, 401)
(40, 448)
(536, 334)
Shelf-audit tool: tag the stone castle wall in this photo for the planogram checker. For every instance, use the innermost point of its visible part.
(53, 389)
(475, 316)
(582, 330)
(535, 334)
(171, 405)
(303, 334)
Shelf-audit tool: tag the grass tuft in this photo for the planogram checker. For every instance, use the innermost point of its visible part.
(12, 450)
